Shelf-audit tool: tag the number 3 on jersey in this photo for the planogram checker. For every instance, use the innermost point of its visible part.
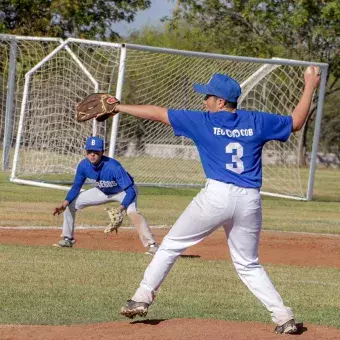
(235, 158)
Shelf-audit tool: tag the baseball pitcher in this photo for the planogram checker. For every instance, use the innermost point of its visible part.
(229, 142)
(112, 183)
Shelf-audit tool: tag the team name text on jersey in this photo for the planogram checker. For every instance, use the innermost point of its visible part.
(233, 133)
(103, 184)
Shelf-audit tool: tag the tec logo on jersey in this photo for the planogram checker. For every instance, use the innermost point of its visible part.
(233, 133)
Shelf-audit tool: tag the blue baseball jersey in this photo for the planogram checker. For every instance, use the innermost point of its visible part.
(109, 176)
(230, 144)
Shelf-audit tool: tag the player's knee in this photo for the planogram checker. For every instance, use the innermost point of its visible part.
(73, 207)
(77, 207)
(246, 266)
(131, 213)
(172, 246)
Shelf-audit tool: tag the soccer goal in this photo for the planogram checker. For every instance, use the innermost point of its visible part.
(50, 142)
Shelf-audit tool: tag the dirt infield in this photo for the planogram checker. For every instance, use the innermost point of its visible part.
(275, 248)
(175, 329)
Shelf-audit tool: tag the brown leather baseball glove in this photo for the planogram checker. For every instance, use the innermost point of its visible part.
(100, 106)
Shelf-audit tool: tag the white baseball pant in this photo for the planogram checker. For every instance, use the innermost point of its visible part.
(96, 197)
(239, 211)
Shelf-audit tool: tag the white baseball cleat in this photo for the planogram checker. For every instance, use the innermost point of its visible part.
(287, 328)
(133, 308)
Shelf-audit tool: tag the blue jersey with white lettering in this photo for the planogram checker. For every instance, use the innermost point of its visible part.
(230, 144)
(109, 176)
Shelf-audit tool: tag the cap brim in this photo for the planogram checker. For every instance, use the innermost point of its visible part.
(93, 149)
(201, 88)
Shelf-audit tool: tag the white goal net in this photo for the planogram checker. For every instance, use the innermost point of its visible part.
(50, 141)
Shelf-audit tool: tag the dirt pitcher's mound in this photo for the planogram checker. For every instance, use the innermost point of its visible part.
(175, 329)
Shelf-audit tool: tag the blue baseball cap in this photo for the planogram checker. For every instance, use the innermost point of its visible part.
(222, 86)
(94, 144)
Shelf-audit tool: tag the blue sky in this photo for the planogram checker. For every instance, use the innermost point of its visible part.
(158, 9)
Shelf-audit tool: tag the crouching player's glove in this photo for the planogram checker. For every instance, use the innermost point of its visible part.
(116, 218)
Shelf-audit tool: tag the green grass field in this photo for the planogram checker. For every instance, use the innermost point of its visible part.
(44, 285)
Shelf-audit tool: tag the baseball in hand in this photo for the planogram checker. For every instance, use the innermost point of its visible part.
(313, 70)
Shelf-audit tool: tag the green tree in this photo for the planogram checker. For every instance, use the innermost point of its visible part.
(67, 18)
(302, 29)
